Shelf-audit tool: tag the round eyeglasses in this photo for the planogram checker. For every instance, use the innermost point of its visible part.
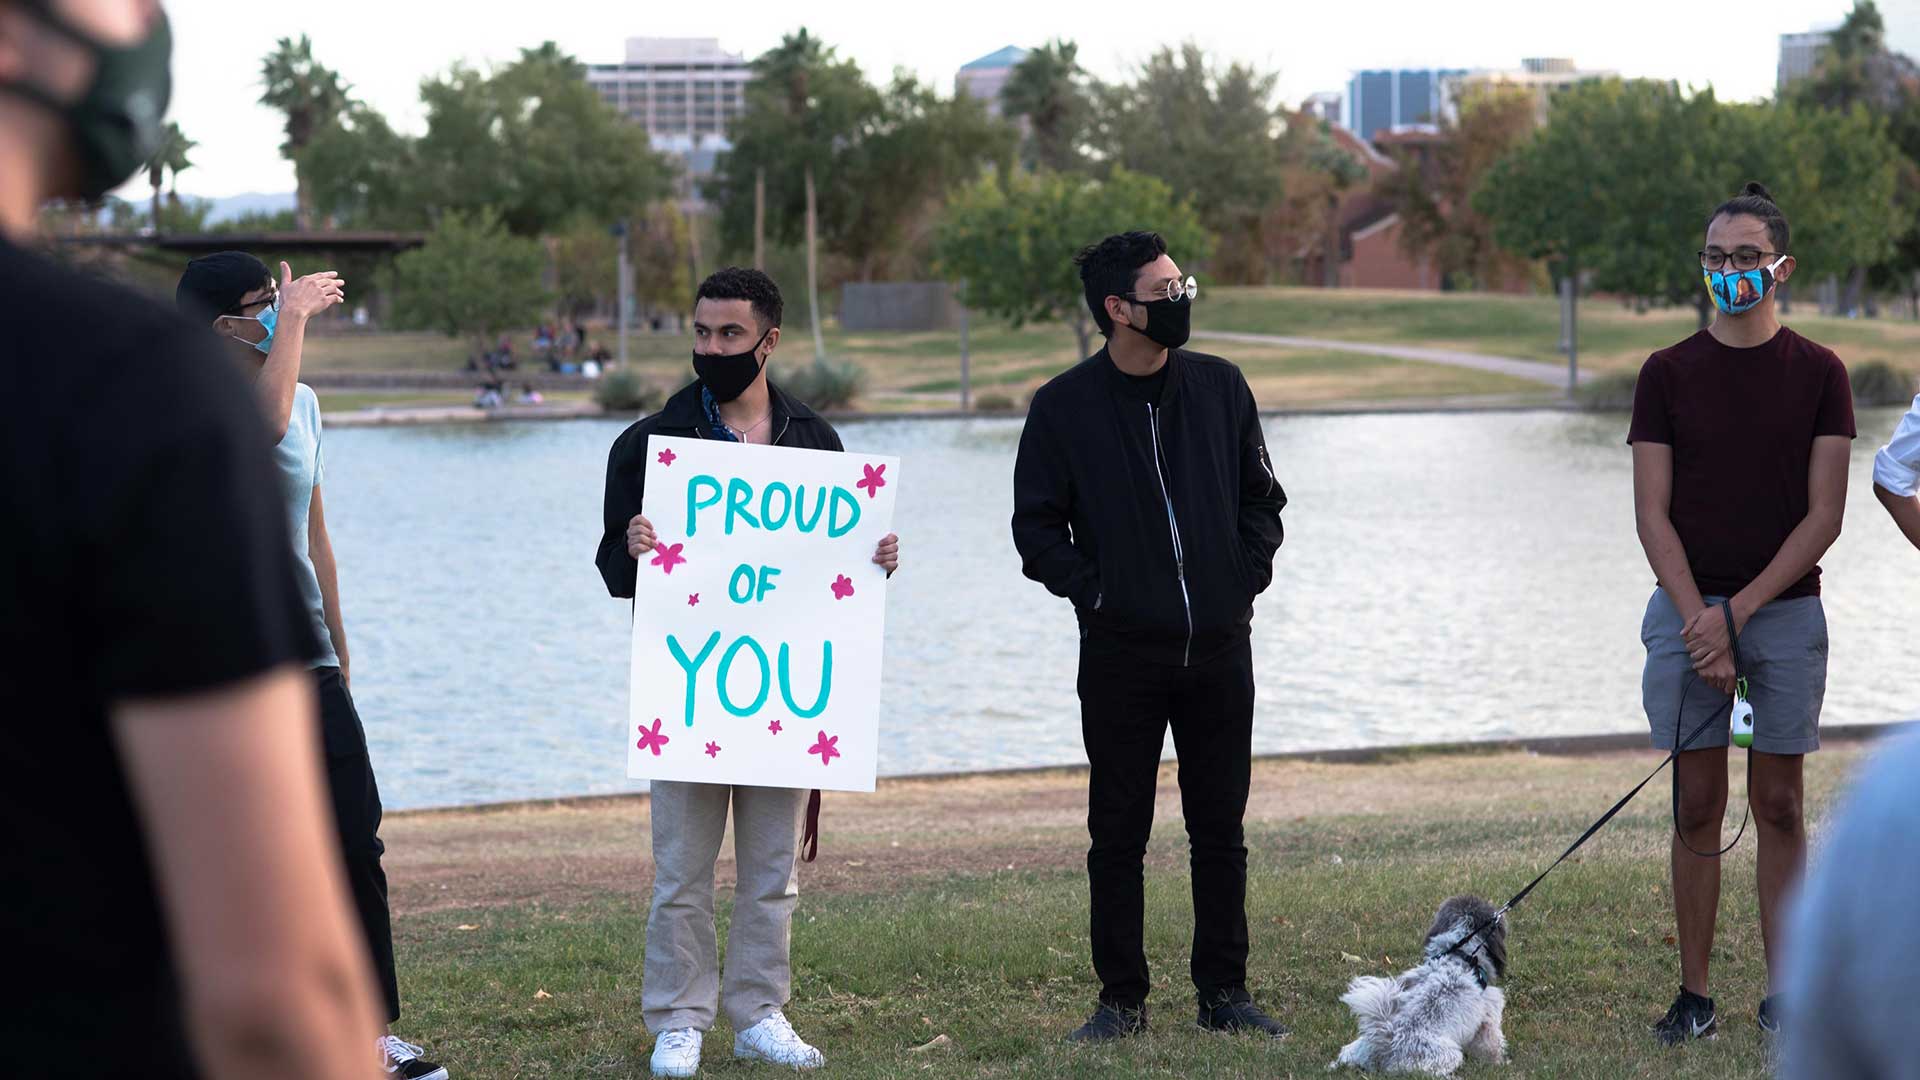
(1174, 289)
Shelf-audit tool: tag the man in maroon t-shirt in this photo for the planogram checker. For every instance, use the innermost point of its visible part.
(1740, 440)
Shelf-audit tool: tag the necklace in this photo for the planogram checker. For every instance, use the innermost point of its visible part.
(746, 431)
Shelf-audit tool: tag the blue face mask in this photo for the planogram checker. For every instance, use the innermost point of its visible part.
(1739, 291)
(267, 318)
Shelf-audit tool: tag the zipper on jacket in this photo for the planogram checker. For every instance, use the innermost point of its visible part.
(1173, 527)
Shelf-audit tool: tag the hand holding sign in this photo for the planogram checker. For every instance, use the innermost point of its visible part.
(761, 608)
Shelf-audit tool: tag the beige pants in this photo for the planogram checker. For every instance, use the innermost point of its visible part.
(681, 985)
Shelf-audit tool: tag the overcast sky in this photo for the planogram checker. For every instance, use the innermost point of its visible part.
(385, 47)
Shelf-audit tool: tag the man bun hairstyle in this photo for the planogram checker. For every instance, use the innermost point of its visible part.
(743, 283)
(1109, 267)
(1756, 201)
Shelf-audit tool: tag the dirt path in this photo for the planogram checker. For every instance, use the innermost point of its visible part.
(563, 853)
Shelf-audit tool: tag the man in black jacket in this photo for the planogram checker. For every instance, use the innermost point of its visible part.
(736, 325)
(1143, 494)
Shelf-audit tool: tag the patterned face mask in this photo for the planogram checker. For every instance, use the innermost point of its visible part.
(1737, 291)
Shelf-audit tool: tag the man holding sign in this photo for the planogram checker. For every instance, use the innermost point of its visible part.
(747, 588)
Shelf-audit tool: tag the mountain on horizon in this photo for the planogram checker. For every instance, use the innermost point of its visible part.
(252, 202)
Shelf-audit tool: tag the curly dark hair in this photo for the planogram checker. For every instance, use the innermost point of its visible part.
(1109, 268)
(1755, 200)
(743, 283)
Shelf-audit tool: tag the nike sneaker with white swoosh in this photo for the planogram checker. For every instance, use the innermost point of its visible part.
(1691, 1017)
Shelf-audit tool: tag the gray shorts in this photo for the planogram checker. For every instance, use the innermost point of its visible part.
(1784, 650)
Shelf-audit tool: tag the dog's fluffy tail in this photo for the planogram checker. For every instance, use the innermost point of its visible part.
(1372, 1000)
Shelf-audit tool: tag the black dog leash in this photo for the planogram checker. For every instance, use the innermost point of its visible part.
(1733, 646)
(1733, 640)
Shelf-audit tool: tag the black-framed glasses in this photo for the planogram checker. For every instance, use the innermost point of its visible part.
(1174, 289)
(272, 301)
(1743, 259)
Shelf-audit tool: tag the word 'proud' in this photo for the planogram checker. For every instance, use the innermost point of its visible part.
(779, 505)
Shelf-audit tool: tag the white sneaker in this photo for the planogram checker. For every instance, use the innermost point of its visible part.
(402, 1060)
(773, 1041)
(677, 1052)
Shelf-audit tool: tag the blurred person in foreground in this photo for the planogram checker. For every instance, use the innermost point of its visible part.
(1856, 944)
(174, 906)
(263, 323)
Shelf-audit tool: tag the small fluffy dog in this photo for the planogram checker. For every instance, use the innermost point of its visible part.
(1432, 1017)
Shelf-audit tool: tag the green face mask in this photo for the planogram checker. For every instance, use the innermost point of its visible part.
(115, 123)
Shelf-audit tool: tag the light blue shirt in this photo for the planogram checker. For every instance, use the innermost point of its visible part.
(1854, 942)
(1897, 466)
(299, 461)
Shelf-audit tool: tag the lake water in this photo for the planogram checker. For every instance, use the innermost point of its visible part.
(1445, 577)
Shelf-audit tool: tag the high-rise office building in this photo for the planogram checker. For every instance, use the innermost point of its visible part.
(1800, 55)
(1385, 100)
(686, 93)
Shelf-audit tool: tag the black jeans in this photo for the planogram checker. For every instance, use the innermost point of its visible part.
(1126, 706)
(356, 814)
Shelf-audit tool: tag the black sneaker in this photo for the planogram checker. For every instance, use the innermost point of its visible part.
(1691, 1017)
(1770, 1014)
(1236, 1012)
(1110, 1022)
(402, 1059)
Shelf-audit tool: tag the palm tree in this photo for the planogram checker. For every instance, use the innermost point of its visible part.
(169, 157)
(312, 95)
(1048, 88)
(789, 68)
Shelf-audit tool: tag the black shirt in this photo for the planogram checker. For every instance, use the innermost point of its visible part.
(143, 553)
(1147, 387)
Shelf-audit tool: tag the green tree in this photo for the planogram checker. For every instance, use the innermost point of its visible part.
(1009, 242)
(1054, 94)
(1856, 67)
(170, 157)
(1614, 189)
(359, 171)
(1617, 187)
(1434, 192)
(894, 178)
(1214, 137)
(534, 141)
(311, 95)
(806, 111)
(658, 250)
(472, 279)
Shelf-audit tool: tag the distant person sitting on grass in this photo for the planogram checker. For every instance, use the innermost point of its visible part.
(264, 323)
(736, 327)
(529, 396)
(1740, 439)
(1896, 474)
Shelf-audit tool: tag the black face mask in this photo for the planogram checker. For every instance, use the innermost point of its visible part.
(1168, 321)
(727, 376)
(115, 124)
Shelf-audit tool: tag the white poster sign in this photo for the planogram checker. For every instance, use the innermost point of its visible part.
(758, 616)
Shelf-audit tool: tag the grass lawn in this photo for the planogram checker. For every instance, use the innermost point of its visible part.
(908, 370)
(1612, 336)
(957, 908)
